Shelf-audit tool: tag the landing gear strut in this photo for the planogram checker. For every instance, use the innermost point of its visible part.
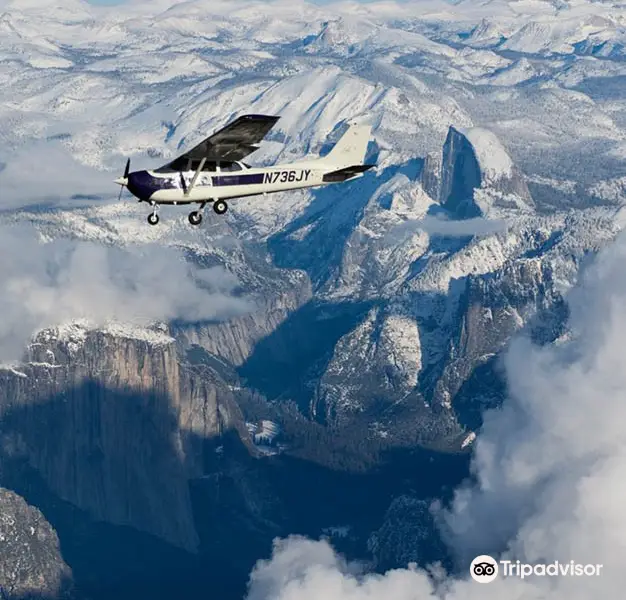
(153, 218)
(195, 217)
(220, 207)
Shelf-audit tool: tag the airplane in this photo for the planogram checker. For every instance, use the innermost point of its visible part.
(213, 172)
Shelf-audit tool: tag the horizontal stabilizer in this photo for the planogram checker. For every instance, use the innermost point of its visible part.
(346, 173)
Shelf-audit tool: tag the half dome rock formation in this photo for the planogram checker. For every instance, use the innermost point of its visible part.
(477, 174)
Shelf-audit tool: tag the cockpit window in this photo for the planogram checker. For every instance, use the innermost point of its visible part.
(230, 166)
(208, 165)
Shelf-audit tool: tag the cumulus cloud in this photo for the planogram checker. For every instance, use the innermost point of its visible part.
(549, 475)
(453, 228)
(47, 284)
(60, 180)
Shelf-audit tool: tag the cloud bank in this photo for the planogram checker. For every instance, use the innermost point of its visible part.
(48, 284)
(60, 178)
(550, 475)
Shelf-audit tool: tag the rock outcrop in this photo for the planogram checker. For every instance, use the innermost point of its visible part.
(407, 535)
(30, 557)
(234, 340)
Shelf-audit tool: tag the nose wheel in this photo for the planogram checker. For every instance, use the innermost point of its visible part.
(220, 207)
(153, 218)
(195, 217)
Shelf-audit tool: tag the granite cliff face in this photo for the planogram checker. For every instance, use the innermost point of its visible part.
(111, 423)
(234, 341)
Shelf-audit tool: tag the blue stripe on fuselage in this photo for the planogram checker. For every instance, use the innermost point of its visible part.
(224, 180)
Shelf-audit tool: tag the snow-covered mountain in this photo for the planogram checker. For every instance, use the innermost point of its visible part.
(376, 309)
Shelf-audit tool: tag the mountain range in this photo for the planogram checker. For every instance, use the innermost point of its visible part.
(366, 320)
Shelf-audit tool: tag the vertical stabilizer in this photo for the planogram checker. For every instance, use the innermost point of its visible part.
(351, 148)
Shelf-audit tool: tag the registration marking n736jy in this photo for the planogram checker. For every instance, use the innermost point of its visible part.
(290, 176)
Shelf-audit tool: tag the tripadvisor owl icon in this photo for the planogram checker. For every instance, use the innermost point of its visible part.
(484, 569)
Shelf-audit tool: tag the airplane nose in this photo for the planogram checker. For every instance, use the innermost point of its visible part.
(142, 185)
(121, 181)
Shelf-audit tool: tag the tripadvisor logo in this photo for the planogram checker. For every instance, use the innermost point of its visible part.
(485, 569)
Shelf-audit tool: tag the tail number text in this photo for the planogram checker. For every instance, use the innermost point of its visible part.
(287, 176)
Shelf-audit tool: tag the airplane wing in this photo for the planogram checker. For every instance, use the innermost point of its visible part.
(233, 142)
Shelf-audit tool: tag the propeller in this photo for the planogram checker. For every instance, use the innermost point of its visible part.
(123, 181)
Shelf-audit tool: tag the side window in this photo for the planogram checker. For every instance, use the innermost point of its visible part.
(230, 166)
(208, 165)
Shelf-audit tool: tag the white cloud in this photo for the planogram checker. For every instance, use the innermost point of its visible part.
(454, 228)
(550, 470)
(49, 284)
(59, 177)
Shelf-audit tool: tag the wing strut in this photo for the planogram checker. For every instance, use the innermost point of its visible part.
(195, 177)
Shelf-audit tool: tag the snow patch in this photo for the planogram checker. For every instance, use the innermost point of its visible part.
(468, 440)
(341, 531)
(493, 159)
(14, 370)
(74, 333)
(155, 336)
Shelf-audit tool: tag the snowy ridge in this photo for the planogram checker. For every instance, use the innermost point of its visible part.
(529, 186)
(74, 333)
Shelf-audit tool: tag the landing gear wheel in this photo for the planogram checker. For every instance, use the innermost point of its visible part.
(153, 218)
(220, 207)
(195, 217)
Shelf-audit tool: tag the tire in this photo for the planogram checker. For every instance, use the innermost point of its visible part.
(220, 207)
(153, 218)
(195, 217)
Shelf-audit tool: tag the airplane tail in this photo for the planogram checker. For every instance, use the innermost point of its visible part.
(351, 148)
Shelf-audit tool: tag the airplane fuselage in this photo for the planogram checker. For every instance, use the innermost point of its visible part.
(167, 188)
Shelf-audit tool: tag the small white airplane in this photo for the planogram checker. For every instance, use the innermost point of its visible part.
(212, 171)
